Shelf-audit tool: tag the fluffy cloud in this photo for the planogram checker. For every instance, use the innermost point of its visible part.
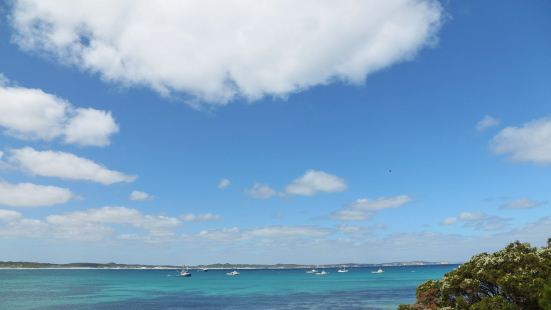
(313, 182)
(139, 196)
(486, 122)
(206, 217)
(478, 220)
(65, 165)
(92, 224)
(522, 204)
(261, 191)
(530, 142)
(363, 209)
(33, 114)
(90, 127)
(32, 195)
(252, 49)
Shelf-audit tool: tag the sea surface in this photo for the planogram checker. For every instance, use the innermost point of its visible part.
(253, 289)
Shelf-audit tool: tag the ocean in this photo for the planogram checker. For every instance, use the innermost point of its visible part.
(252, 289)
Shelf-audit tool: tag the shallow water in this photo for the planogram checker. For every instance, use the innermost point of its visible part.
(253, 289)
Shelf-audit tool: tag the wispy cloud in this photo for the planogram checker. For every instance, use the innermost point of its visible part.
(522, 204)
(9, 215)
(204, 217)
(363, 209)
(224, 183)
(90, 225)
(270, 232)
(261, 191)
(478, 220)
(65, 166)
(486, 122)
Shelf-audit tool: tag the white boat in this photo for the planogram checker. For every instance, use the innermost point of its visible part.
(185, 272)
(380, 270)
(233, 273)
(312, 271)
(322, 273)
(342, 269)
(203, 269)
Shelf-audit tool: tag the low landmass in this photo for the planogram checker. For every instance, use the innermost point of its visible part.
(35, 265)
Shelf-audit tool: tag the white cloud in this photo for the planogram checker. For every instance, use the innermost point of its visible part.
(261, 191)
(522, 204)
(486, 122)
(217, 51)
(351, 229)
(65, 165)
(3, 164)
(32, 114)
(471, 216)
(32, 195)
(4, 81)
(269, 232)
(225, 234)
(206, 217)
(313, 182)
(93, 224)
(224, 183)
(531, 142)
(363, 209)
(478, 220)
(139, 196)
(9, 215)
(286, 232)
(90, 127)
(449, 220)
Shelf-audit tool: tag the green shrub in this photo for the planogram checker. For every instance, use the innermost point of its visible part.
(545, 299)
(513, 278)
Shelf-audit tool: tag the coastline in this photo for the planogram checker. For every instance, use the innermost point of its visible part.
(387, 265)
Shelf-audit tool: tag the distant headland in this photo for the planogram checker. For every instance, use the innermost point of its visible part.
(36, 265)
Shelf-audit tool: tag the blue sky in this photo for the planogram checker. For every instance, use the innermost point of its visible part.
(379, 158)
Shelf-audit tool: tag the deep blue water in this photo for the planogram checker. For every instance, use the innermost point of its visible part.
(253, 289)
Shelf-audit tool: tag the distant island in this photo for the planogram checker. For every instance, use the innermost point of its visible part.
(35, 265)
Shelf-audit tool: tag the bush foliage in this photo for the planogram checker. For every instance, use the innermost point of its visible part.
(517, 277)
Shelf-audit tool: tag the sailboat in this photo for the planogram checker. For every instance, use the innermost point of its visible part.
(185, 272)
(342, 269)
(380, 270)
(312, 271)
(233, 273)
(322, 273)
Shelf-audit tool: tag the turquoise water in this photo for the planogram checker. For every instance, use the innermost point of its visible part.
(253, 289)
